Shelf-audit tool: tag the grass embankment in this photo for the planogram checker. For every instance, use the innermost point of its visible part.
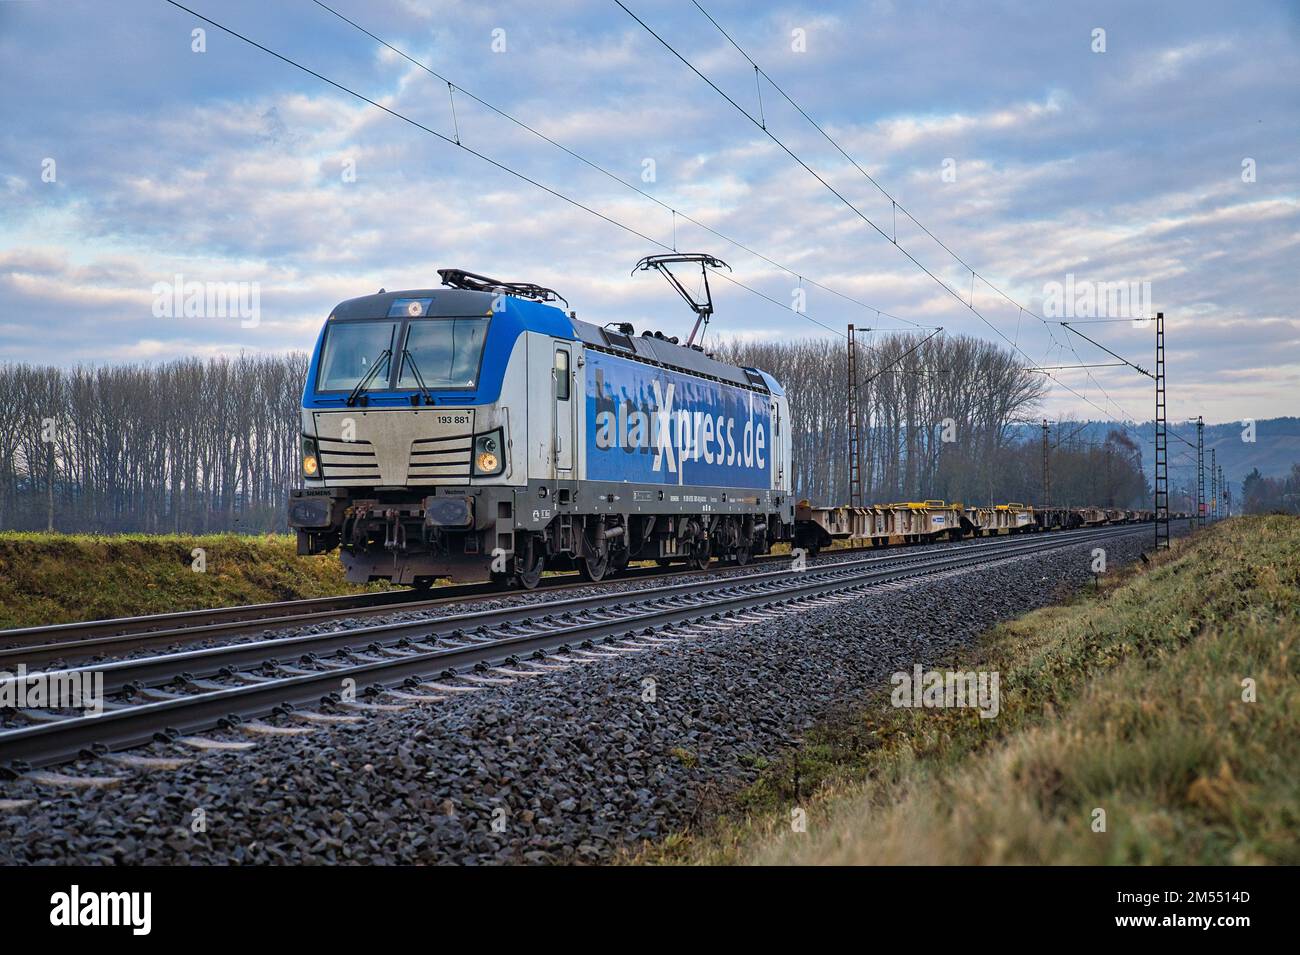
(1129, 700)
(59, 578)
(56, 578)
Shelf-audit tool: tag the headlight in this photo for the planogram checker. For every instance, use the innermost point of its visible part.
(488, 453)
(310, 465)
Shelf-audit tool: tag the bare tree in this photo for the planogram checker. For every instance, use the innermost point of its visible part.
(183, 446)
(192, 446)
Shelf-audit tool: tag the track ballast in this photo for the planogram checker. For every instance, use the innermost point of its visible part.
(164, 697)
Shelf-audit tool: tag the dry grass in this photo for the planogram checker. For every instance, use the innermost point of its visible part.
(1130, 701)
(55, 578)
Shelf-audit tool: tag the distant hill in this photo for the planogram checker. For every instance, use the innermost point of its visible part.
(1276, 446)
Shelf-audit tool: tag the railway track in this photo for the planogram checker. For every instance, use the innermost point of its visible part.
(84, 640)
(246, 617)
(164, 697)
(124, 634)
(97, 639)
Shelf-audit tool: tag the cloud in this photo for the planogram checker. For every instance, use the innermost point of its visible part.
(231, 166)
(1170, 64)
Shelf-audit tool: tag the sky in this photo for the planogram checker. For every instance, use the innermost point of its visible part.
(1044, 146)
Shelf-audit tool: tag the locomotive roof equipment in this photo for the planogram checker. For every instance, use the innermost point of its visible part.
(470, 281)
(702, 308)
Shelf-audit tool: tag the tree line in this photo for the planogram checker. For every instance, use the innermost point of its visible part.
(937, 419)
(194, 446)
(188, 446)
(1266, 495)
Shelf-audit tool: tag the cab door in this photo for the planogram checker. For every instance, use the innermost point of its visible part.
(563, 409)
(778, 448)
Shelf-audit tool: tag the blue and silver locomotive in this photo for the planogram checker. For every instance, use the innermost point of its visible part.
(479, 430)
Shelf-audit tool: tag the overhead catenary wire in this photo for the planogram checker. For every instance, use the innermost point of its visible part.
(1105, 321)
(581, 205)
(497, 164)
(897, 206)
(894, 204)
(899, 358)
(1136, 367)
(574, 154)
(1107, 364)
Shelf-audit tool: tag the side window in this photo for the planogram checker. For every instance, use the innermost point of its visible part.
(561, 375)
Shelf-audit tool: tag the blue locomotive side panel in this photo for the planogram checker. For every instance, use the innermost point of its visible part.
(650, 425)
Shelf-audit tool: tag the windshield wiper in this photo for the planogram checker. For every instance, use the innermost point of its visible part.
(419, 379)
(369, 376)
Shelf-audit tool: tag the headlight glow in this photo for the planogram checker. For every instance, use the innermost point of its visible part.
(310, 465)
(488, 457)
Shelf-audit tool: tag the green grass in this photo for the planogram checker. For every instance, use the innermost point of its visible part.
(56, 578)
(1128, 700)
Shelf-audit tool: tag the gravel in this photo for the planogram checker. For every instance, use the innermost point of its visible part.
(569, 766)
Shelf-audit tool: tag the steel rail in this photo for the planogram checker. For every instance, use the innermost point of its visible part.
(73, 650)
(134, 725)
(189, 625)
(179, 623)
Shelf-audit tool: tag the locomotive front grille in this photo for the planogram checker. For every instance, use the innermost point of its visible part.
(353, 461)
(394, 448)
(440, 460)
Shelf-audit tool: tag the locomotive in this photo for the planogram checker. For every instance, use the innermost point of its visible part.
(480, 430)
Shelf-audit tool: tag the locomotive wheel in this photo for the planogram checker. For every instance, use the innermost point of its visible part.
(534, 562)
(594, 568)
(742, 556)
(700, 556)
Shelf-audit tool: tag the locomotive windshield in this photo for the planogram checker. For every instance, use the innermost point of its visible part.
(350, 351)
(439, 353)
(444, 351)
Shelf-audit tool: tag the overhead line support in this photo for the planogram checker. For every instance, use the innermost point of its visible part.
(1162, 441)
